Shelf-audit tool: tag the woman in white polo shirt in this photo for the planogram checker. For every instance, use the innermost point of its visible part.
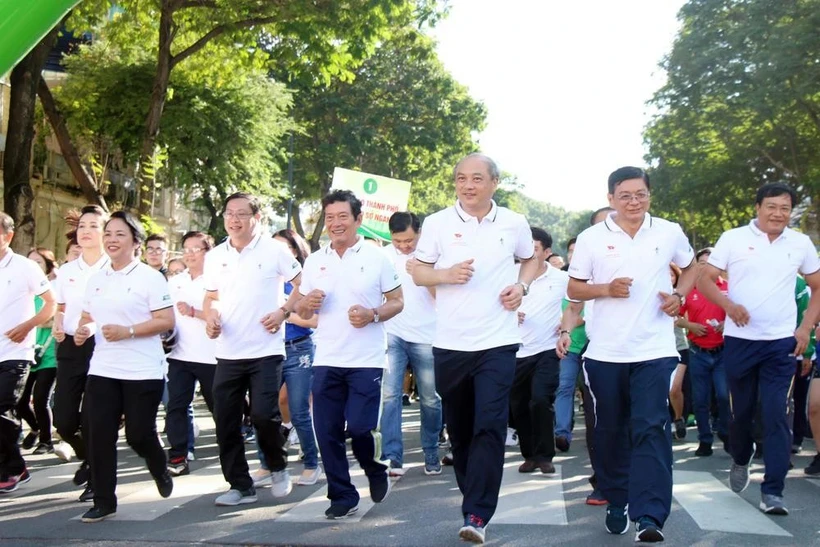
(126, 307)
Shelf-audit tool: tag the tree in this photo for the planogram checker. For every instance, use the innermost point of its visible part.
(402, 115)
(18, 197)
(741, 107)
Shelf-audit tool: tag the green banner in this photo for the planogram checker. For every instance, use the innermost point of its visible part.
(380, 196)
(23, 23)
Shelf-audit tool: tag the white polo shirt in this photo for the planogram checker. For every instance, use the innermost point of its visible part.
(470, 317)
(542, 309)
(762, 275)
(417, 321)
(362, 276)
(69, 289)
(127, 297)
(193, 344)
(21, 279)
(251, 285)
(628, 330)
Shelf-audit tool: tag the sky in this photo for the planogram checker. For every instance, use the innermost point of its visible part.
(565, 85)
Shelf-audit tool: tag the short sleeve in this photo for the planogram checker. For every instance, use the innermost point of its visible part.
(37, 281)
(308, 282)
(684, 255)
(721, 252)
(428, 249)
(524, 247)
(811, 263)
(159, 296)
(57, 289)
(580, 267)
(287, 265)
(209, 271)
(388, 278)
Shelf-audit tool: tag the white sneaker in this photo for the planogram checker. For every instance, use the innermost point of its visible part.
(280, 483)
(512, 437)
(395, 471)
(293, 437)
(309, 477)
(191, 456)
(64, 451)
(261, 477)
(235, 497)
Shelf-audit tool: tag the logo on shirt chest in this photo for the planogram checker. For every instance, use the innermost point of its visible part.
(458, 240)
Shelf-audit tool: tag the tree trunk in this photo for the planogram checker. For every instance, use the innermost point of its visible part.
(213, 222)
(87, 183)
(317, 232)
(145, 177)
(297, 220)
(18, 197)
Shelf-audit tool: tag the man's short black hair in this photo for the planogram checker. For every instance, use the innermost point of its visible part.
(337, 196)
(253, 201)
(626, 173)
(542, 236)
(598, 212)
(774, 189)
(704, 251)
(207, 240)
(157, 237)
(400, 221)
(571, 242)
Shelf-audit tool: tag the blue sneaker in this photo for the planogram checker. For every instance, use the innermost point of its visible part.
(648, 530)
(617, 521)
(432, 465)
(474, 529)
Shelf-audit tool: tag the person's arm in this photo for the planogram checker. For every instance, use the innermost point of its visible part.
(161, 321)
(393, 304)
(18, 334)
(273, 320)
(426, 275)
(570, 319)
(803, 332)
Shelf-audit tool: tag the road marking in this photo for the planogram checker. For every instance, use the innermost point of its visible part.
(531, 498)
(312, 508)
(43, 479)
(714, 507)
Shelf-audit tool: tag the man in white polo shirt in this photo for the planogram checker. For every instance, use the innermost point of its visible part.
(760, 341)
(21, 280)
(623, 264)
(410, 342)
(467, 252)
(532, 397)
(192, 358)
(353, 288)
(244, 278)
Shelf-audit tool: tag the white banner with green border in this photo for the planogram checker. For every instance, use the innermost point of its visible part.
(380, 197)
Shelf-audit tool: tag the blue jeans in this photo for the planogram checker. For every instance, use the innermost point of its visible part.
(565, 396)
(420, 358)
(706, 370)
(297, 374)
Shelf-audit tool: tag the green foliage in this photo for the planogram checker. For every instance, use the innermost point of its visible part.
(741, 107)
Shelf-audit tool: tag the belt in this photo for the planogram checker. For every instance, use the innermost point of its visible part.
(716, 349)
(297, 340)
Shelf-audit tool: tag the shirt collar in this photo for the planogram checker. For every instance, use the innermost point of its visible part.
(99, 264)
(251, 245)
(356, 247)
(612, 226)
(466, 217)
(109, 270)
(6, 259)
(758, 232)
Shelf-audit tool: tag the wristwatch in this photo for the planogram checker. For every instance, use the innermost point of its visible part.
(131, 331)
(524, 286)
(680, 297)
(375, 315)
(286, 312)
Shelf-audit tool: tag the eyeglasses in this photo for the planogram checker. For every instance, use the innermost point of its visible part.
(155, 250)
(192, 250)
(241, 215)
(640, 197)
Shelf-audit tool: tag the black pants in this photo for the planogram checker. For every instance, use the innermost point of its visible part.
(801, 425)
(182, 377)
(106, 400)
(233, 378)
(532, 401)
(72, 371)
(12, 381)
(38, 391)
(475, 389)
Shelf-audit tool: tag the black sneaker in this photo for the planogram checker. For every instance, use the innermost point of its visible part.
(447, 459)
(704, 449)
(338, 511)
(95, 514)
(813, 470)
(442, 439)
(82, 474)
(405, 400)
(562, 443)
(87, 495)
(648, 531)
(29, 440)
(165, 484)
(680, 429)
(617, 521)
(178, 466)
(380, 488)
(43, 448)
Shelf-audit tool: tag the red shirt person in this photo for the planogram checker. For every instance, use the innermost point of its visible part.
(704, 321)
